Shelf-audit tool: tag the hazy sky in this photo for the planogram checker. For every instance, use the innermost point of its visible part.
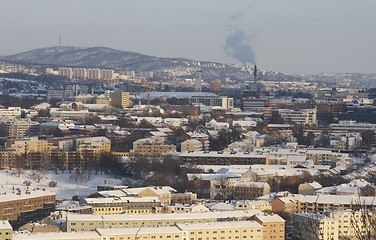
(291, 36)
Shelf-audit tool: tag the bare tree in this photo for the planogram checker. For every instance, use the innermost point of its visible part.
(308, 226)
(221, 188)
(38, 175)
(363, 220)
(20, 164)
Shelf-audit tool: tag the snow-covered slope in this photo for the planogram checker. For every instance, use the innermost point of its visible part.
(66, 184)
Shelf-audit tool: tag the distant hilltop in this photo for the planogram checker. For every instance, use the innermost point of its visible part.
(108, 58)
(100, 57)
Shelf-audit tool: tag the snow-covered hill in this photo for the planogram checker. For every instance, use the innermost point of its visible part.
(66, 182)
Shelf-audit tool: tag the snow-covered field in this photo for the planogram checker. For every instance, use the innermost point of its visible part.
(66, 184)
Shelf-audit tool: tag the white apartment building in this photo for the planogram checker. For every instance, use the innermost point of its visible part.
(79, 73)
(66, 72)
(11, 112)
(302, 116)
(93, 74)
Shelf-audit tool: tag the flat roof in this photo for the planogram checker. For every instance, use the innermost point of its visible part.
(162, 216)
(57, 236)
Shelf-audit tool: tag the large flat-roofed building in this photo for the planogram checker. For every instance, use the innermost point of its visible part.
(22, 205)
(152, 146)
(353, 125)
(302, 116)
(204, 98)
(223, 158)
(188, 231)
(19, 128)
(117, 205)
(83, 222)
(11, 112)
(322, 203)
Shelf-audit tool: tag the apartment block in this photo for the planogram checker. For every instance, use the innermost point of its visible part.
(24, 205)
(188, 231)
(11, 112)
(273, 226)
(66, 72)
(302, 116)
(120, 99)
(152, 146)
(107, 74)
(79, 73)
(83, 222)
(19, 128)
(322, 203)
(93, 73)
(117, 205)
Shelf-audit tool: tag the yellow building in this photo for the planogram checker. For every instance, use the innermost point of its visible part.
(37, 151)
(152, 146)
(273, 226)
(350, 224)
(6, 231)
(163, 193)
(7, 158)
(253, 205)
(189, 231)
(91, 149)
(102, 99)
(321, 203)
(130, 205)
(59, 236)
(120, 99)
(85, 222)
(191, 145)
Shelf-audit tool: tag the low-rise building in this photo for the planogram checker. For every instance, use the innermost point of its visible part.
(309, 188)
(117, 205)
(6, 231)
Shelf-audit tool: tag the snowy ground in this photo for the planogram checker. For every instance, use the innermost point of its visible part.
(66, 184)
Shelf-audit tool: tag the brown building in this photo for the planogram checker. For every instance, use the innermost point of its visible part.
(283, 205)
(24, 205)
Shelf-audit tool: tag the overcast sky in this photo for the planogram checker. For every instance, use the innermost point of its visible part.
(291, 36)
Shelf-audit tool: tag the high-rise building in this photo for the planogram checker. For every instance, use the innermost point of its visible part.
(93, 73)
(79, 73)
(66, 72)
(107, 74)
(120, 99)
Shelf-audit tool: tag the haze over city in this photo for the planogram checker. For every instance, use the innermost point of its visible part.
(291, 36)
(187, 120)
